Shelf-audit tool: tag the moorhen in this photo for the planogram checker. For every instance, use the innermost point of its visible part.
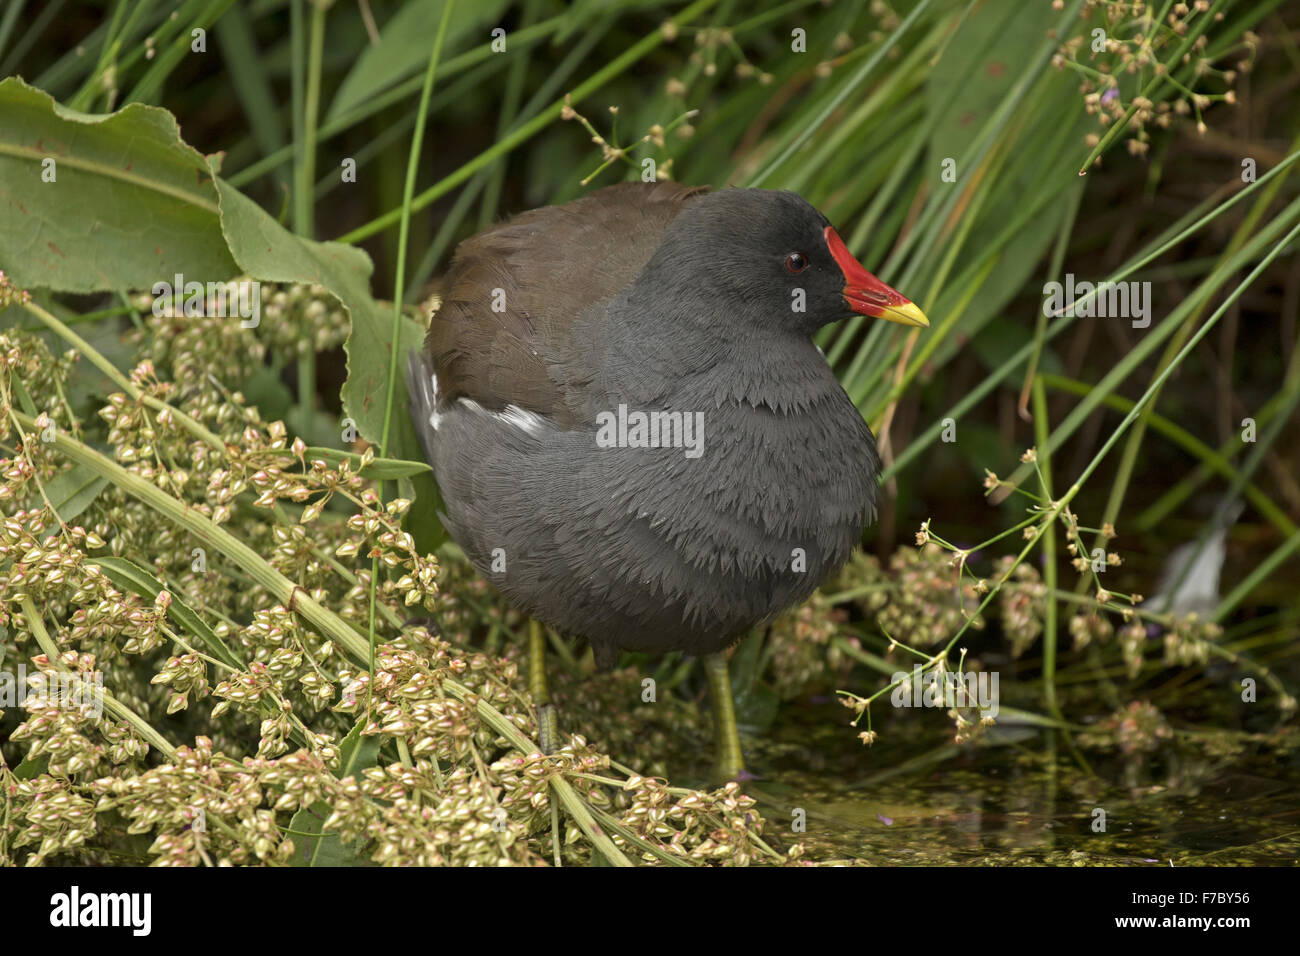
(635, 437)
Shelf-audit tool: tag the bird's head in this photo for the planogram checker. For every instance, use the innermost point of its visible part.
(776, 261)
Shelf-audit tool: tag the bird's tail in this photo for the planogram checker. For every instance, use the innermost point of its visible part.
(422, 387)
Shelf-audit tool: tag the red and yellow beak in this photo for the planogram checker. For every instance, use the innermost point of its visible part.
(867, 295)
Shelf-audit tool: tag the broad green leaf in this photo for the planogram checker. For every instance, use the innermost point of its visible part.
(24, 397)
(356, 753)
(130, 203)
(980, 67)
(266, 250)
(1002, 339)
(384, 468)
(73, 491)
(32, 767)
(756, 704)
(129, 575)
(271, 396)
(756, 708)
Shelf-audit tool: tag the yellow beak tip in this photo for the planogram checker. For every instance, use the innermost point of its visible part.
(908, 314)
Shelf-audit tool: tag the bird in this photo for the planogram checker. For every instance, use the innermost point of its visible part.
(636, 439)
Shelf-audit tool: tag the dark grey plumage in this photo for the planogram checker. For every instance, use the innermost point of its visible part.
(659, 298)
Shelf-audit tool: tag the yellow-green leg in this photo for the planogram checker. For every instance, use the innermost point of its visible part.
(548, 724)
(729, 761)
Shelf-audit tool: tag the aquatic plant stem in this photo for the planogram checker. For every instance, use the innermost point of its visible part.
(1049, 552)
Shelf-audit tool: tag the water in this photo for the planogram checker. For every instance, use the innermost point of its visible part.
(1026, 795)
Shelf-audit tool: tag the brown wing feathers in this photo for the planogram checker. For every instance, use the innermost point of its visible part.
(591, 250)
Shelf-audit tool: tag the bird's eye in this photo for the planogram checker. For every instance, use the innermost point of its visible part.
(796, 262)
